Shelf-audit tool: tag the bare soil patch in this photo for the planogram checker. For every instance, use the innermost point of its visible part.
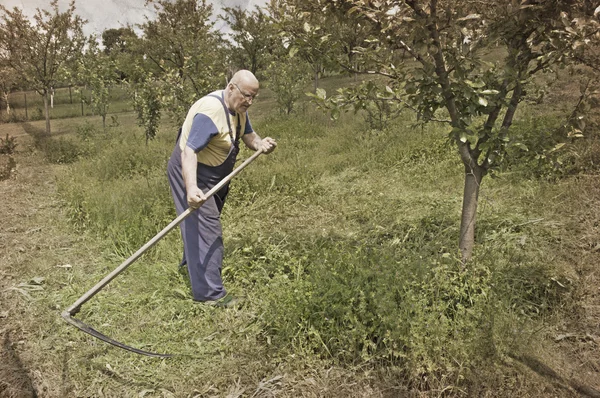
(30, 241)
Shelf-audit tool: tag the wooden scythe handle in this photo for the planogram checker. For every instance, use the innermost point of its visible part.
(74, 309)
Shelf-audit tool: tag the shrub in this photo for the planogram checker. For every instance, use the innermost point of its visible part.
(288, 79)
(86, 131)
(37, 114)
(8, 145)
(60, 150)
(7, 165)
(552, 151)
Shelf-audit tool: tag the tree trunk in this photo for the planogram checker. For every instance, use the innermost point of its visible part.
(473, 177)
(7, 103)
(47, 112)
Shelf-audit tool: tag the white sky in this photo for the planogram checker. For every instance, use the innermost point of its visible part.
(104, 14)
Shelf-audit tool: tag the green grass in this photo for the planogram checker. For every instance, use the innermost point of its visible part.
(344, 244)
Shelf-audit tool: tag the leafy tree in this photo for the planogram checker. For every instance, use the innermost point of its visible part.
(304, 32)
(348, 35)
(98, 72)
(253, 36)
(178, 59)
(119, 44)
(38, 52)
(148, 106)
(117, 40)
(452, 78)
(287, 77)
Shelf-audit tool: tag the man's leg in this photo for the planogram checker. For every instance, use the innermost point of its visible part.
(179, 194)
(203, 242)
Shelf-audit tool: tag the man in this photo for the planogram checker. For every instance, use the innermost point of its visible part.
(205, 152)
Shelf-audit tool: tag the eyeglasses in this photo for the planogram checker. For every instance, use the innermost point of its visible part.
(248, 97)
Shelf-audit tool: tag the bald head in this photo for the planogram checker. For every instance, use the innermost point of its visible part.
(241, 91)
(244, 78)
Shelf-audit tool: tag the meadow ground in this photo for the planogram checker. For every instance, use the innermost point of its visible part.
(323, 237)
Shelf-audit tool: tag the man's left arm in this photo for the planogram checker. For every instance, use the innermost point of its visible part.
(254, 142)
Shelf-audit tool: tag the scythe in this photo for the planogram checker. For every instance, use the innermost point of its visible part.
(76, 307)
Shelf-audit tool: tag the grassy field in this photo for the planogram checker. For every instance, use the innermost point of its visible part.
(343, 243)
(68, 103)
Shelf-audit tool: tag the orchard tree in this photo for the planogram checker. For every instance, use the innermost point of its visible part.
(348, 35)
(253, 37)
(98, 72)
(180, 57)
(451, 80)
(287, 76)
(304, 31)
(117, 40)
(148, 106)
(39, 51)
(118, 45)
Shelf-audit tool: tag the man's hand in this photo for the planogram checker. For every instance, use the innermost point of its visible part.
(267, 145)
(195, 197)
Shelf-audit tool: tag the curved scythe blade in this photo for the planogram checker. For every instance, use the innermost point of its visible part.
(93, 332)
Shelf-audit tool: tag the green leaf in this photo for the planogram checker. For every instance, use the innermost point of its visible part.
(483, 101)
(521, 146)
(321, 93)
(335, 113)
(474, 84)
(557, 147)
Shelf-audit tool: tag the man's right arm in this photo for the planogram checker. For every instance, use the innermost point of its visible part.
(189, 164)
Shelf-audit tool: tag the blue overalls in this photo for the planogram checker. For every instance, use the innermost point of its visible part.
(201, 231)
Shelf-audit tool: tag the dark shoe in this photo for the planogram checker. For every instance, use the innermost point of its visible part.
(227, 301)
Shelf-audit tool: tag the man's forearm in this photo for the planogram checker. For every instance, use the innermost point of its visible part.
(257, 143)
(189, 164)
(252, 141)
